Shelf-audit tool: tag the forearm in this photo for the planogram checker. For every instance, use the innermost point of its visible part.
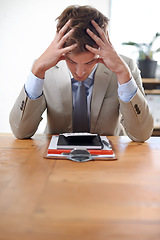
(122, 71)
(39, 68)
(34, 86)
(26, 115)
(136, 118)
(126, 91)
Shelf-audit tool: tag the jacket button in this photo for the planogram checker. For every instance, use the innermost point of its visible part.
(22, 104)
(137, 109)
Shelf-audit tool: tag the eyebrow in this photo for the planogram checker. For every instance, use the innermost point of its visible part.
(84, 63)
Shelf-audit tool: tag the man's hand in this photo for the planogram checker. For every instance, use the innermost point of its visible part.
(54, 53)
(108, 55)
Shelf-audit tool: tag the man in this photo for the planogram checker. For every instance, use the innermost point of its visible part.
(82, 52)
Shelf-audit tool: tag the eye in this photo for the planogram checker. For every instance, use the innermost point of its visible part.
(89, 63)
(71, 61)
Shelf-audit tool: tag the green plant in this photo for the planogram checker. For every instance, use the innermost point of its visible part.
(145, 49)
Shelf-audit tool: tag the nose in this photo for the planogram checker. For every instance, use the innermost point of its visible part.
(80, 71)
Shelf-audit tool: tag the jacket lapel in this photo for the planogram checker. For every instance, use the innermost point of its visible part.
(64, 84)
(101, 81)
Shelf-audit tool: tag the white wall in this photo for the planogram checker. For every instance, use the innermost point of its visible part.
(136, 21)
(26, 29)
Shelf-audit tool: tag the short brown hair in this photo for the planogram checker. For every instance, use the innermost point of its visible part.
(81, 20)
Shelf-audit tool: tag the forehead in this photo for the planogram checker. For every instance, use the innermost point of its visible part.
(84, 57)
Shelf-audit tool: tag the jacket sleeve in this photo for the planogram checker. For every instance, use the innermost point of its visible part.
(136, 117)
(26, 115)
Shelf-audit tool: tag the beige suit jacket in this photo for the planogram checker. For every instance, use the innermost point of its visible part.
(108, 112)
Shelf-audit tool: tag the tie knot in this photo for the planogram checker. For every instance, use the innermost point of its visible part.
(87, 84)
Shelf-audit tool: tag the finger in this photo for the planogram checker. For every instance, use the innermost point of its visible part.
(93, 50)
(68, 49)
(64, 38)
(99, 30)
(65, 27)
(95, 38)
(108, 38)
(63, 30)
(100, 60)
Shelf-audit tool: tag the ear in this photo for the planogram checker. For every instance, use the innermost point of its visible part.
(100, 60)
(62, 58)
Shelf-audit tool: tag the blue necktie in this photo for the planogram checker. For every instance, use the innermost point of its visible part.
(80, 115)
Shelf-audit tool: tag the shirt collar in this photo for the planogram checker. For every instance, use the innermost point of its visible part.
(88, 82)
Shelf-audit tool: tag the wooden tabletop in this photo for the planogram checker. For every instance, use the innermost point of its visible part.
(44, 199)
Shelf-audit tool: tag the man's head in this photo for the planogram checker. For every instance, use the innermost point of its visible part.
(80, 61)
(81, 17)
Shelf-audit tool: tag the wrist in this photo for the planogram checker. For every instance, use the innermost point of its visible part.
(123, 74)
(38, 70)
(124, 77)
